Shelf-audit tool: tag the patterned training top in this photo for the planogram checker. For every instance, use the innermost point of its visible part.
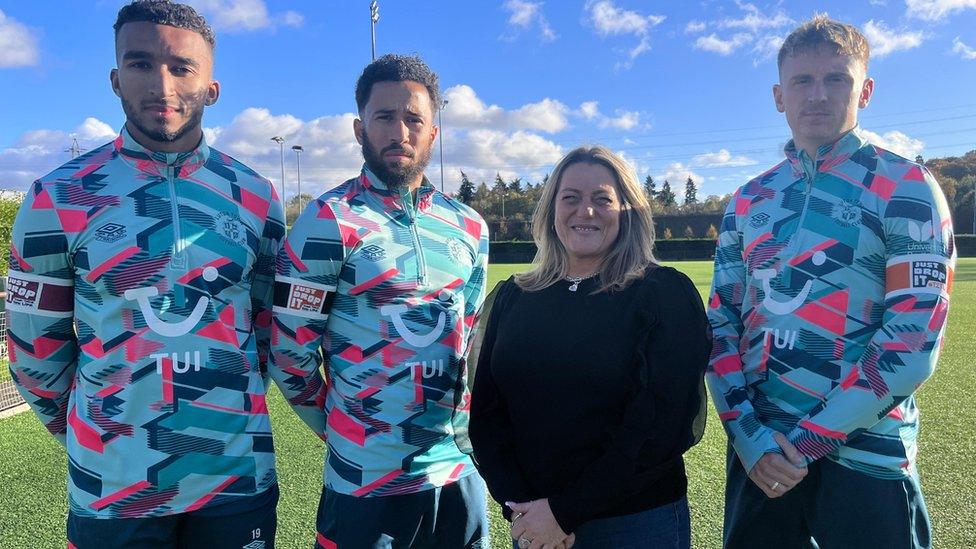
(828, 306)
(386, 290)
(139, 310)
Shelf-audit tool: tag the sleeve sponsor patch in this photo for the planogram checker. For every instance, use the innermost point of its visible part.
(297, 297)
(40, 295)
(919, 274)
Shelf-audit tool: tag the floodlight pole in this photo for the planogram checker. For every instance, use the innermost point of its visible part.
(440, 139)
(281, 149)
(298, 159)
(374, 16)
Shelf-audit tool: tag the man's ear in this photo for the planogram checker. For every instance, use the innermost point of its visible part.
(434, 130)
(213, 93)
(778, 98)
(867, 90)
(113, 78)
(358, 129)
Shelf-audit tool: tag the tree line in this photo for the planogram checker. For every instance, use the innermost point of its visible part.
(957, 177)
(507, 206)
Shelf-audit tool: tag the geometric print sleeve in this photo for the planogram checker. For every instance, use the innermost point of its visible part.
(307, 274)
(41, 341)
(262, 287)
(724, 376)
(902, 353)
(474, 289)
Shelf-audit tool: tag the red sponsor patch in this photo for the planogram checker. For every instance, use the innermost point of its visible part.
(918, 274)
(22, 292)
(306, 298)
(43, 295)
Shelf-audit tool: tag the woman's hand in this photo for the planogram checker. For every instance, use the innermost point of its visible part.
(534, 526)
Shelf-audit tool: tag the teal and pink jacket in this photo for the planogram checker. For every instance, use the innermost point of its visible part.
(828, 306)
(381, 289)
(139, 302)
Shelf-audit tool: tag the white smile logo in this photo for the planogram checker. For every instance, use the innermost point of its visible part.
(183, 327)
(780, 307)
(417, 340)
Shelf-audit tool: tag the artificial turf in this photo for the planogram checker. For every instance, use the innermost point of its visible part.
(32, 464)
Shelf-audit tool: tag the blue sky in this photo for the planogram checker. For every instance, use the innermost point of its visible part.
(678, 88)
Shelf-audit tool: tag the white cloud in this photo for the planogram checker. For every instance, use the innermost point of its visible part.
(717, 45)
(467, 110)
(291, 19)
(884, 40)
(721, 158)
(677, 174)
(754, 20)
(18, 46)
(478, 138)
(623, 119)
(589, 110)
(936, 10)
(963, 50)
(526, 15)
(896, 142)
(245, 15)
(332, 155)
(767, 48)
(493, 150)
(609, 20)
(37, 152)
(695, 26)
(753, 26)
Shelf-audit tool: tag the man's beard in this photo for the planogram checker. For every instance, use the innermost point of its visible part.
(158, 134)
(394, 176)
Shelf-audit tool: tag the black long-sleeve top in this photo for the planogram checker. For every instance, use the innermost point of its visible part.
(591, 400)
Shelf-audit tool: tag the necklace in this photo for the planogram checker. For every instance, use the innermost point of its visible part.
(576, 281)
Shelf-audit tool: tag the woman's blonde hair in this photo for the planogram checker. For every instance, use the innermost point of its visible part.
(628, 256)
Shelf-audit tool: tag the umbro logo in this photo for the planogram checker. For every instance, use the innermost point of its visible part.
(109, 232)
(759, 220)
(373, 253)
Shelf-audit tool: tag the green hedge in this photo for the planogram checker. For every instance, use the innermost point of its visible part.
(966, 245)
(667, 250)
(675, 249)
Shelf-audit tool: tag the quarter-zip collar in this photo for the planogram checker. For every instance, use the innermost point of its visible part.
(828, 155)
(161, 164)
(398, 201)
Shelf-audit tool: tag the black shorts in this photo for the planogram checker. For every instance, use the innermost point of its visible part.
(451, 517)
(213, 528)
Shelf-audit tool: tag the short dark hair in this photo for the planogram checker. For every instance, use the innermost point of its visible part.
(164, 12)
(397, 68)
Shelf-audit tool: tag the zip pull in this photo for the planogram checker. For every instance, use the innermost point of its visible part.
(178, 260)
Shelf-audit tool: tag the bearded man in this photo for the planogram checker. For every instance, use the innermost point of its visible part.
(382, 278)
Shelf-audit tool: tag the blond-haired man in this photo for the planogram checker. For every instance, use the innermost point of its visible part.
(828, 306)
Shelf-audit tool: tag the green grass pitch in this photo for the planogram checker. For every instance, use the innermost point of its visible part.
(32, 465)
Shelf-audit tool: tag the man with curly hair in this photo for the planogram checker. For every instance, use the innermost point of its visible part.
(380, 281)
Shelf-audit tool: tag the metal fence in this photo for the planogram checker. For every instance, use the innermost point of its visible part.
(9, 397)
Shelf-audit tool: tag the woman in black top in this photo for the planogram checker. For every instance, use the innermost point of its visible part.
(589, 381)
